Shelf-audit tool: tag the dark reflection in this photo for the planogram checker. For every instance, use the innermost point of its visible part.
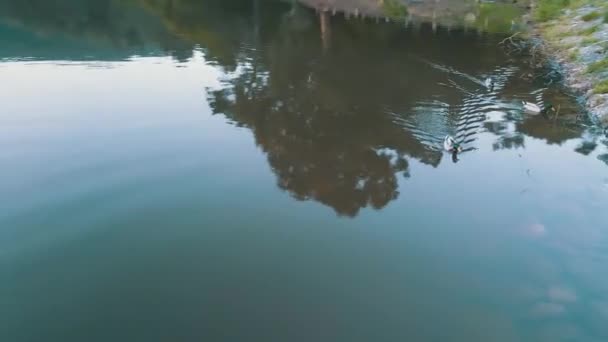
(586, 147)
(488, 16)
(340, 106)
(326, 116)
(604, 157)
(333, 102)
(84, 30)
(509, 142)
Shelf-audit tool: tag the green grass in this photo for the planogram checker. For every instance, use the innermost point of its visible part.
(589, 31)
(557, 33)
(590, 40)
(573, 56)
(591, 16)
(567, 46)
(597, 66)
(550, 9)
(581, 3)
(564, 34)
(394, 9)
(601, 88)
(606, 17)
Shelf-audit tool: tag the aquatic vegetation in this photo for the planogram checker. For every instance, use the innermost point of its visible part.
(550, 9)
(601, 88)
(591, 16)
(394, 9)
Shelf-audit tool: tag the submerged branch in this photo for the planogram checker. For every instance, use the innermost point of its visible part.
(510, 39)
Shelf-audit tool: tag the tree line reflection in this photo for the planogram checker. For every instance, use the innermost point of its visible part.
(329, 100)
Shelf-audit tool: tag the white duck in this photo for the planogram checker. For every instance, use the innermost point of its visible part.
(534, 108)
(489, 83)
(450, 145)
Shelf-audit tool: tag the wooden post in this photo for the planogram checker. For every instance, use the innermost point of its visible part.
(325, 22)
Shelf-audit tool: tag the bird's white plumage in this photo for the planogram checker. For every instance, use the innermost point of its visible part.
(531, 107)
(489, 83)
(448, 143)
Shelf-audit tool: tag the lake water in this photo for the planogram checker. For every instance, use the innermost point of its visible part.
(255, 171)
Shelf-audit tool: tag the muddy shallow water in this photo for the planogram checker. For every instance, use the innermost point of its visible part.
(212, 170)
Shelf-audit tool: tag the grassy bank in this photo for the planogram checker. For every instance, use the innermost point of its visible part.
(577, 33)
(553, 9)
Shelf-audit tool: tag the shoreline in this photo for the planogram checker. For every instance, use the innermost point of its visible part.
(577, 39)
(571, 34)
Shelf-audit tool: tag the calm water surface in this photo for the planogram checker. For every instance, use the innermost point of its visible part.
(253, 171)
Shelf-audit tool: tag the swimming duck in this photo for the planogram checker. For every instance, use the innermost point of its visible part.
(534, 108)
(489, 83)
(450, 145)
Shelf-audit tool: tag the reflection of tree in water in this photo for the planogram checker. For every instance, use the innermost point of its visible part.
(322, 96)
(220, 26)
(586, 147)
(117, 28)
(345, 178)
(329, 151)
(318, 107)
(327, 134)
(509, 142)
(508, 138)
(546, 128)
(67, 16)
(317, 154)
